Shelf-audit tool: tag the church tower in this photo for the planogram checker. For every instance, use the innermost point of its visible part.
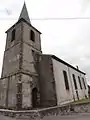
(19, 87)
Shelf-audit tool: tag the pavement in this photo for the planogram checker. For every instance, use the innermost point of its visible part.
(83, 116)
(6, 118)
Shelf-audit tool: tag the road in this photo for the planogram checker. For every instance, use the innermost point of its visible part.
(83, 116)
(6, 118)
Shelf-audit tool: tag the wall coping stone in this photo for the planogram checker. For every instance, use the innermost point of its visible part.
(69, 109)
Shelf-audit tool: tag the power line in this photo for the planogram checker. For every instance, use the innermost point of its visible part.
(61, 18)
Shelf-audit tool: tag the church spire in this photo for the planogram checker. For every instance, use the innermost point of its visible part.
(24, 14)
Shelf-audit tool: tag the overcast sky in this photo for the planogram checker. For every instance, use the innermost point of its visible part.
(68, 39)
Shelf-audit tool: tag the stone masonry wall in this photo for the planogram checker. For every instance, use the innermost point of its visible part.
(51, 111)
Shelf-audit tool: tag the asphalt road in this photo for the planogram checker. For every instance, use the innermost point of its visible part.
(83, 116)
(6, 118)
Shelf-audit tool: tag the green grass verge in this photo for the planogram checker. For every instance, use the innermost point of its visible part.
(81, 101)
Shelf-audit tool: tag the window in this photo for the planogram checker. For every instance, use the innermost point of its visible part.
(32, 36)
(80, 82)
(66, 80)
(74, 80)
(84, 83)
(13, 35)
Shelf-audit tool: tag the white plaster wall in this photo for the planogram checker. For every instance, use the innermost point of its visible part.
(80, 91)
(63, 95)
(84, 90)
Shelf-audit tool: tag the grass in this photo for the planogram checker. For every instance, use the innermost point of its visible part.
(81, 101)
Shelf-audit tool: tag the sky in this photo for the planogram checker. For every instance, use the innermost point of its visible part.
(68, 39)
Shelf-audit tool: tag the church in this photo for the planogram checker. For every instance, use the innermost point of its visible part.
(31, 79)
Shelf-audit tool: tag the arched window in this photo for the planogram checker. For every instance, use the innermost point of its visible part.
(74, 80)
(32, 36)
(66, 80)
(80, 82)
(84, 83)
(13, 35)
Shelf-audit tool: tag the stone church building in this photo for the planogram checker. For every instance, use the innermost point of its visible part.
(31, 79)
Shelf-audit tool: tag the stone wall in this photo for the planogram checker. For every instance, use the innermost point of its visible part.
(46, 82)
(8, 90)
(51, 111)
(65, 110)
(16, 92)
(26, 37)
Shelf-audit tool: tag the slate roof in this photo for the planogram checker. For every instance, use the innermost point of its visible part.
(24, 14)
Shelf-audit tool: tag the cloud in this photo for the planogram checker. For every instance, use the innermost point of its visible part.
(85, 4)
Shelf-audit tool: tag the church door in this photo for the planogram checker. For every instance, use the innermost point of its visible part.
(34, 97)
